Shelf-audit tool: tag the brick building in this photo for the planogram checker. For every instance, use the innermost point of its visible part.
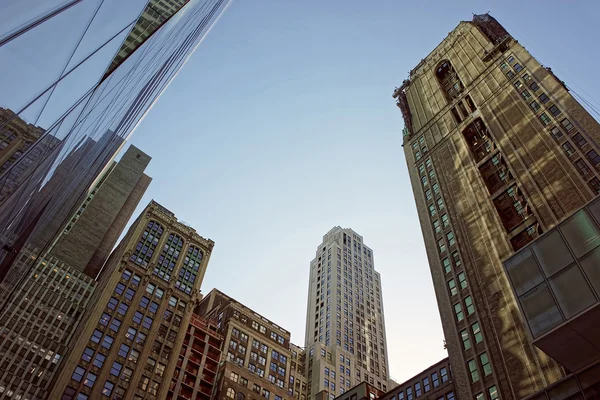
(257, 355)
(434, 383)
(196, 371)
(498, 152)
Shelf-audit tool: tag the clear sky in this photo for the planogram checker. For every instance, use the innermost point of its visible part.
(282, 125)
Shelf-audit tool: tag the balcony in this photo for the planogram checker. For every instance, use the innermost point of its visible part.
(556, 281)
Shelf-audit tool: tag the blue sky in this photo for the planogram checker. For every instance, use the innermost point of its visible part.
(282, 125)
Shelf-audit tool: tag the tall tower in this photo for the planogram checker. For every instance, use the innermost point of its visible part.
(498, 152)
(129, 340)
(345, 329)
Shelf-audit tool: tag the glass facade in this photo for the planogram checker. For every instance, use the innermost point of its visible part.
(81, 74)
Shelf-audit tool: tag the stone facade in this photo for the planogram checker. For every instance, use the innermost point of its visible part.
(345, 326)
(127, 342)
(434, 383)
(498, 151)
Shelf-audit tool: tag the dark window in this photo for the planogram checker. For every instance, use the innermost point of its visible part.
(129, 293)
(534, 105)
(593, 157)
(579, 140)
(567, 124)
(582, 167)
(120, 288)
(112, 303)
(449, 80)
(99, 360)
(147, 244)
(116, 368)
(122, 310)
(544, 98)
(107, 342)
(518, 67)
(556, 133)
(147, 323)
(545, 119)
(114, 325)
(137, 317)
(526, 95)
(456, 115)
(534, 86)
(470, 103)
(554, 110)
(87, 354)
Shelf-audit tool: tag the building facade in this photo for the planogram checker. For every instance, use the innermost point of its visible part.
(198, 363)
(435, 383)
(556, 281)
(498, 152)
(256, 358)
(297, 381)
(362, 391)
(129, 339)
(345, 328)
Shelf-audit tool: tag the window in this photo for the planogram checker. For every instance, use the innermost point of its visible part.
(526, 95)
(426, 385)
(567, 124)
(535, 106)
(432, 210)
(452, 287)
(526, 77)
(554, 110)
(424, 181)
(116, 368)
(442, 245)
(462, 279)
(418, 155)
(107, 342)
(421, 169)
(129, 293)
(459, 312)
(518, 67)
(469, 305)
(137, 317)
(440, 203)
(445, 221)
(470, 103)
(114, 325)
(78, 374)
(99, 360)
(127, 372)
(479, 396)
(582, 167)
(112, 303)
(568, 148)
(122, 309)
(485, 364)
(123, 350)
(451, 240)
(435, 380)
(120, 288)
(147, 322)
(87, 354)
(465, 339)
(90, 379)
(473, 370)
(436, 226)
(444, 374)
(446, 264)
(409, 393)
(593, 156)
(556, 133)
(493, 392)
(534, 86)
(108, 388)
(96, 336)
(544, 98)
(418, 389)
(579, 140)
(545, 119)
(518, 84)
(147, 244)
(231, 393)
(104, 319)
(450, 396)
(428, 195)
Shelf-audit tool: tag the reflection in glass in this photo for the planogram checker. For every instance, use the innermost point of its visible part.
(552, 253)
(572, 291)
(540, 310)
(523, 271)
(591, 267)
(581, 233)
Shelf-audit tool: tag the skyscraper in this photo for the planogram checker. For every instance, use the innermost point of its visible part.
(257, 355)
(44, 297)
(105, 66)
(131, 335)
(345, 328)
(498, 151)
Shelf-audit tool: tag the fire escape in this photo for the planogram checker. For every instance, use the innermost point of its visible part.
(515, 213)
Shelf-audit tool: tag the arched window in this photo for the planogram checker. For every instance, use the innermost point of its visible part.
(449, 80)
(240, 396)
(189, 270)
(145, 247)
(169, 256)
(231, 393)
